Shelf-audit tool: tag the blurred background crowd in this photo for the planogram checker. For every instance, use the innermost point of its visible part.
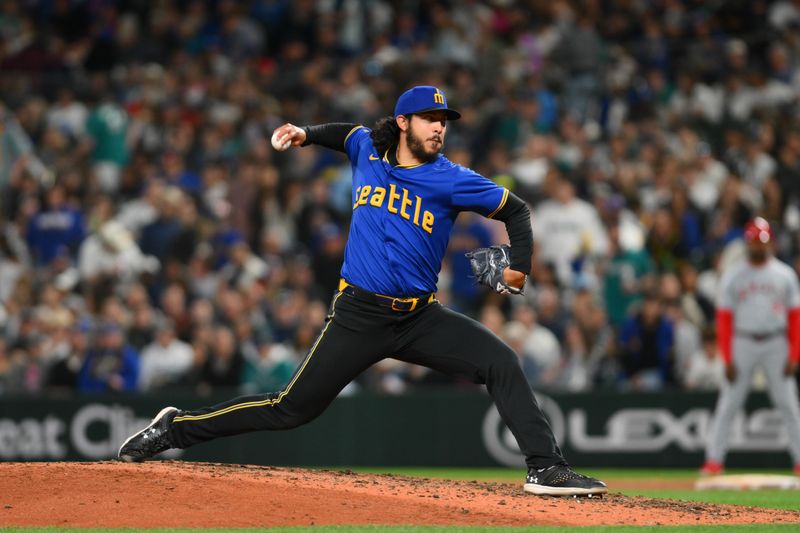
(150, 236)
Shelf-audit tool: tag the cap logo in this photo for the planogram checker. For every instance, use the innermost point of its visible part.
(438, 97)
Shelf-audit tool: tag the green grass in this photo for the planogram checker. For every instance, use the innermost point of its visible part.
(516, 474)
(433, 529)
(773, 499)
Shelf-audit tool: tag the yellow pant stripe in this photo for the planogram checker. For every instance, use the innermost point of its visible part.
(283, 393)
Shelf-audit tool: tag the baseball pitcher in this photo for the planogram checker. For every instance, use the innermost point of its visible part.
(406, 196)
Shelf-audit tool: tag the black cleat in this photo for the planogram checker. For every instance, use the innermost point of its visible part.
(150, 441)
(561, 480)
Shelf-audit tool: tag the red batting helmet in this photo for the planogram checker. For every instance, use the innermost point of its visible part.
(759, 230)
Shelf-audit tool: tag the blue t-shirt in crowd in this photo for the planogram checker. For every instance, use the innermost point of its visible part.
(50, 232)
(99, 365)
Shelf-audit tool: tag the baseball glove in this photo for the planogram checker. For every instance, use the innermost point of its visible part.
(487, 266)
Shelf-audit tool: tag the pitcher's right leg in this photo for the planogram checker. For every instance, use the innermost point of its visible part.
(339, 354)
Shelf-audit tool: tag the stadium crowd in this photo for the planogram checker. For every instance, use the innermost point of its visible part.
(152, 238)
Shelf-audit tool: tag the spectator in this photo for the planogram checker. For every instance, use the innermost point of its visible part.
(316, 212)
(695, 306)
(58, 230)
(143, 326)
(327, 257)
(16, 151)
(568, 231)
(112, 365)
(706, 179)
(174, 307)
(686, 336)
(142, 211)
(588, 346)
(625, 276)
(112, 252)
(68, 115)
(12, 266)
(272, 369)
(14, 362)
(244, 269)
(224, 366)
(166, 361)
(706, 371)
(539, 350)
(665, 242)
(64, 373)
(106, 129)
(550, 312)
(157, 237)
(646, 342)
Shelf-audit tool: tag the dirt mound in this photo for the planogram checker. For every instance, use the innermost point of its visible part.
(183, 494)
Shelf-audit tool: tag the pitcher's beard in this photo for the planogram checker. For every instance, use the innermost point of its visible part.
(417, 147)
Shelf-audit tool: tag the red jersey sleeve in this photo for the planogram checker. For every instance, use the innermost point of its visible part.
(725, 334)
(793, 334)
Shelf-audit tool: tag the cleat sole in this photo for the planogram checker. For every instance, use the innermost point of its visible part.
(544, 490)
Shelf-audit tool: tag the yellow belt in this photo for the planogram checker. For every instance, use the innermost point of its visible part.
(396, 304)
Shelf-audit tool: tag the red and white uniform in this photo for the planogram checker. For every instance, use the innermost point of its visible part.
(758, 324)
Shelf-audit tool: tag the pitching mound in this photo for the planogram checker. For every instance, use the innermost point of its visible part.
(182, 494)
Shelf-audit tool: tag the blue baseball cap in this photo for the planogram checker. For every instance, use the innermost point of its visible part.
(424, 98)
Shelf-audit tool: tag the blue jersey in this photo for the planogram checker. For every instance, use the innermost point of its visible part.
(402, 217)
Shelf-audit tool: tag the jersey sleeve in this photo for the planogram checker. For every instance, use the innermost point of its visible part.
(355, 142)
(473, 192)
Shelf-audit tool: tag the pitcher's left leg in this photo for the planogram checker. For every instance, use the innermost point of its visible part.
(459, 346)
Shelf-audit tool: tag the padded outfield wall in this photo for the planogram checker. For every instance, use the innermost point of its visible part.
(432, 428)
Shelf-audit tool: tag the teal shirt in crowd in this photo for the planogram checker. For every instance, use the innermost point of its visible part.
(625, 267)
(108, 126)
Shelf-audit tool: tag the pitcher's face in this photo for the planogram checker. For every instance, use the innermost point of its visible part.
(425, 135)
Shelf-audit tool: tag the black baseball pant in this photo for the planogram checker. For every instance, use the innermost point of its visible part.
(358, 334)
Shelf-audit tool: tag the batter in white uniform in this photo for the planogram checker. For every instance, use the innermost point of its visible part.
(758, 321)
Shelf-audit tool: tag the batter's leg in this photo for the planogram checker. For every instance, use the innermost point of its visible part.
(731, 399)
(783, 392)
(452, 343)
(341, 352)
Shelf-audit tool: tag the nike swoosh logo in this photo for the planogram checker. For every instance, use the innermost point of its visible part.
(373, 157)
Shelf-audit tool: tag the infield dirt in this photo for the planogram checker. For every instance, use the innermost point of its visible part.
(184, 494)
